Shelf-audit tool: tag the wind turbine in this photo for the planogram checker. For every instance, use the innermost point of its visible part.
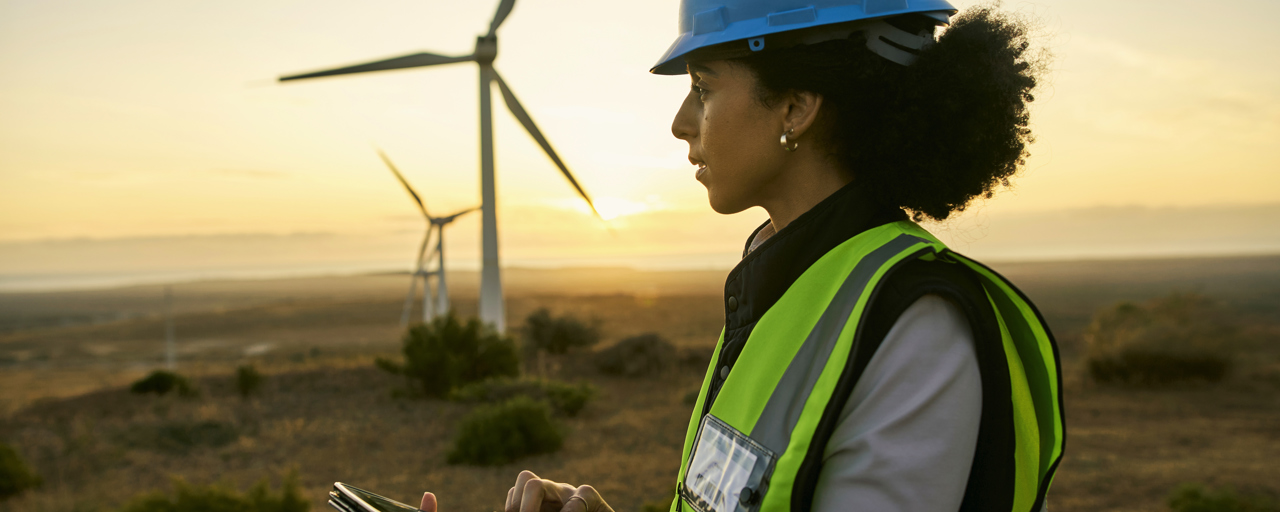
(486, 49)
(439, 304)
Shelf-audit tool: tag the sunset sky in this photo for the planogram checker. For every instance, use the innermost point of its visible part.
(138, 122)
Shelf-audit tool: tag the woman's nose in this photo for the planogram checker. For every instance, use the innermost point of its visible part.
(685, 126)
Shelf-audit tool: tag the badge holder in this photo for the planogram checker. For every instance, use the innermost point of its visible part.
(728, 471)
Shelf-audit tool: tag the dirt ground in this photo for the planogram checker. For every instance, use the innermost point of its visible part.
(327, 412)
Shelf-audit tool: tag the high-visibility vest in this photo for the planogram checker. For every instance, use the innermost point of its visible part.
(781, 386)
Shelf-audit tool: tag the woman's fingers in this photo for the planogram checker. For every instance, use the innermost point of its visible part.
(533, 494)
(428, 502)
(514, 494)
(543, 496)
(585, 499)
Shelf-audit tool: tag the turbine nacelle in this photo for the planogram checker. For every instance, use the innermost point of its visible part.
(486, 49)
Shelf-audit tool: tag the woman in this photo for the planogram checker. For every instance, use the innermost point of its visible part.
(863, 365)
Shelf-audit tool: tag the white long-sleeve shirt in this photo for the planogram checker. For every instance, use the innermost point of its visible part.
(905, 440)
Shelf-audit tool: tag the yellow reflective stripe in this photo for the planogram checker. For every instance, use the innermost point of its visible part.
(1042, 373)
(800, 435)
(696, 417)
(823, 348)
(781, 333)
(1026, 431)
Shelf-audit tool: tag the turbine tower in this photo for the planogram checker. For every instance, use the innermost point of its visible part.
(439, 304)
(492, 310)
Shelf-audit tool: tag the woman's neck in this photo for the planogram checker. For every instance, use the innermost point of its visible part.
(808, 181)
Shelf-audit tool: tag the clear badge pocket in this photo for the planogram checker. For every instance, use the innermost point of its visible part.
(728, 471)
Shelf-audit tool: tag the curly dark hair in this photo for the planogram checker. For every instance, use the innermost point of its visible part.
(928, 137)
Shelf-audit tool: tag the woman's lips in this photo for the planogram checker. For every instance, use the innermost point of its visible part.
(702, 169)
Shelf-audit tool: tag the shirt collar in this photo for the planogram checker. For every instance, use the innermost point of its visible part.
(773, 261)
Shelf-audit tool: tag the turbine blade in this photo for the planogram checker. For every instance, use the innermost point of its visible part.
(517, 110)
(414, 194)
(504, 9)
(448, 219)
(415, 60)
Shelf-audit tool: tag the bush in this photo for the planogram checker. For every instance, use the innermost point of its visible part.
(646, 354)
(248, 381)
(564, 398)
(1157, 368)
(501, 433)
(15, 475)
(446, 354)
(691, 398)
(698, 358)
(1196, 498)
(1176, 338)
(218, 498)
(557, 335)
(162, 382)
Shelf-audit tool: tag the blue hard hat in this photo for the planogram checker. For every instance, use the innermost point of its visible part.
(706, 23)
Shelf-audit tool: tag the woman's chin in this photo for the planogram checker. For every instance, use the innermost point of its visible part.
(723, 206)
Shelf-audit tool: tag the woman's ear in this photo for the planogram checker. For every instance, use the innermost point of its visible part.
(801, 112)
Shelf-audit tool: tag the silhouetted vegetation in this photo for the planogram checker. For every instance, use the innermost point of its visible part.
(248, 381)
(1180, 337)
(691, 398)
(161, 382)
(15, 475)
(446, 354)
(1198, 498)
(221, 498)
(501, 433)
(564, 398)
(557, 334)
(645, 354)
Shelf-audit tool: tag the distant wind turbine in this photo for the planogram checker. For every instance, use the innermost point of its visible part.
(439, 304)
(492, 310)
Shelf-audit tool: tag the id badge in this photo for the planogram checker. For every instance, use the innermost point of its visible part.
(728, 471)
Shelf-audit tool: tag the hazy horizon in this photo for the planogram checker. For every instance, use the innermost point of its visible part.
(1080, 234)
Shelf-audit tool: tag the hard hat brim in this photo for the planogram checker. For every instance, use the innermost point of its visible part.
(673, 63)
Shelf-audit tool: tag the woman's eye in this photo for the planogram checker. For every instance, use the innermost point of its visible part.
(698, 90)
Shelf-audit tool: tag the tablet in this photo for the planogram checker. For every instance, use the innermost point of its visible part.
(346, 498)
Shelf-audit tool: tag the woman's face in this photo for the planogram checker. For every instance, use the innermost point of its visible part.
(733, 138)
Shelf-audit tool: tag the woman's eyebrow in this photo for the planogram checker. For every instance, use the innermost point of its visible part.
(701, 69)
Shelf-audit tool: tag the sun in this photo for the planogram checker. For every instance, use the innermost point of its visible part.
(611, 208)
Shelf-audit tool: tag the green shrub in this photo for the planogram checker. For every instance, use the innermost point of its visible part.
(1181, 337)
(1197, 498)
(1157, 368)
(446, 354)
(564, 398)
(162, 382)
(220, 498)
(646, 354)
(691, 398)
(501, 433)
(248, 381)
(557, 335)
(15, 475)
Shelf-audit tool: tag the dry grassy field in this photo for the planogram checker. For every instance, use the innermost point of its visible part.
(67, 357)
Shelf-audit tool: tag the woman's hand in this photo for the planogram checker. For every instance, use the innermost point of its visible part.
(533, 494)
